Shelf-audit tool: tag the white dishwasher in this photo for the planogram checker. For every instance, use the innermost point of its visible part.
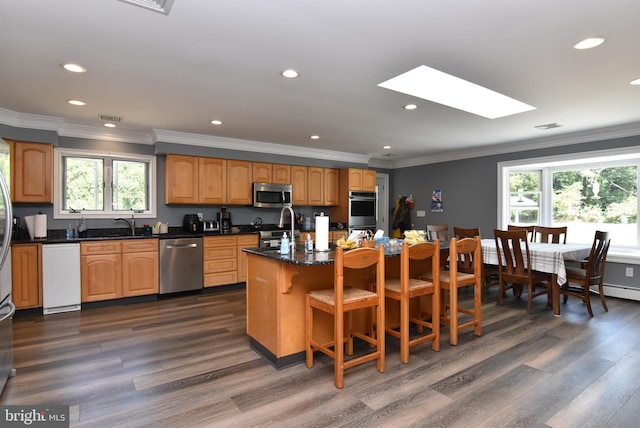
(60, 278)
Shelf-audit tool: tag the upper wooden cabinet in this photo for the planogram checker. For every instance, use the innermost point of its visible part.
(281, 173)
(299, 182)
(212, 184)
(331, 181)
(32, 172)
(181, 178)
(262, 172)
(239, 182)
(362, 180)
(315, 185)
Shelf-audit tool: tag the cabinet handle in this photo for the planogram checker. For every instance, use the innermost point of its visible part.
(181, 246)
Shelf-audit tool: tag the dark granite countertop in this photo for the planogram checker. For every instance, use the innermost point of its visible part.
(299, 257)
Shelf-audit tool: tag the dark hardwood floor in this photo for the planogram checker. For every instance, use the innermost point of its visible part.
(185, 362)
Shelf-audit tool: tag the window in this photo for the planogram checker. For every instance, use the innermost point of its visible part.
(586, 192)
(103, 185)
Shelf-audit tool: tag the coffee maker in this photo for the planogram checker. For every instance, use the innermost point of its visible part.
(224, 220)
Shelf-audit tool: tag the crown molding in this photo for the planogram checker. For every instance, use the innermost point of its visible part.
(106, 134)
(33, 121)
(255, 146)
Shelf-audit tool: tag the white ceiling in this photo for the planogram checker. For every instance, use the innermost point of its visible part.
(168, 76)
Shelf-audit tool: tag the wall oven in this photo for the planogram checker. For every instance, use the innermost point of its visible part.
(362, 211)
(271, 195)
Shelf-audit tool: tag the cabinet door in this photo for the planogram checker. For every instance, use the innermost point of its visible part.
(139, 274)
(239, 182)
(356, 179)
(368, 180)
(101, 277)
(299, 188)
(281, 173)
(26, 272)
(181, 179)
(212, 181)
(315, 186)
(331, 181)
(244, 241)
(32, 172)
(262, 172)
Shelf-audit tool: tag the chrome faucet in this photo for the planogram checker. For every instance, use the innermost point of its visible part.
(292, 238)
(131, 223)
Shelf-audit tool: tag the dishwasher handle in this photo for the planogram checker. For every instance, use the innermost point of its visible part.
(178, 246)
(11, 312)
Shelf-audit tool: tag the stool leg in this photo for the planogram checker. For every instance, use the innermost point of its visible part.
(308, 332)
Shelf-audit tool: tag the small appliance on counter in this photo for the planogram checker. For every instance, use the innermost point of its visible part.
(192, 223)
(211, 226)
(224, 219)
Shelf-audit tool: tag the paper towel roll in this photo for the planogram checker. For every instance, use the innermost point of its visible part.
(40, 229)
(322, 232)
(29, 220)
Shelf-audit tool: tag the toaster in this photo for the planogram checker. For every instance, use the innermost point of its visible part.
(211, 226)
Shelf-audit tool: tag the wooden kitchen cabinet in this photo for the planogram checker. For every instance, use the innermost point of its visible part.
(361, 180)
(281, 173)
(181, 179)
(299, 182)
(26, 273)
(212, 181)
(239, 182)
(31, 172)
(331, 180)
(315, 186)
(220, 260)
(244, 241)
(139, 267)
(262, 172)
(118, 268)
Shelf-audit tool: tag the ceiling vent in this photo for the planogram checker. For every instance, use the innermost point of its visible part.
(162, 6)
(548, 126)
(110, 118)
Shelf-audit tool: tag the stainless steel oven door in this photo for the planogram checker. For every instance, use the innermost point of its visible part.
(362, 210)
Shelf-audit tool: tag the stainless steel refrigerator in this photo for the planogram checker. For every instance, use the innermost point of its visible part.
(7, 309)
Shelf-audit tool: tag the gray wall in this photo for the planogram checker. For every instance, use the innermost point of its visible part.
(469, 192)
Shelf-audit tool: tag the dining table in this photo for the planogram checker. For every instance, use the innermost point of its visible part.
(545, 257)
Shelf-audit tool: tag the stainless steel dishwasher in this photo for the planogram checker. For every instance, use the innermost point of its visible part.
(180, 264)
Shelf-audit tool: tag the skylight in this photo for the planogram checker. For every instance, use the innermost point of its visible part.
(442, 88)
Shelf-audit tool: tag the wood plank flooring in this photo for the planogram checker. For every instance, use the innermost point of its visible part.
(185, 362)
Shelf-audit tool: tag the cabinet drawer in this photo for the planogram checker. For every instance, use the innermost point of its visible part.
(219, 241)
(102, 247)
(139, 245)
(219, 253)
(249, 240)
(211, 266)
(214, 279)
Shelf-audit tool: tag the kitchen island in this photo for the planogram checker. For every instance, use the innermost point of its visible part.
(276, 289)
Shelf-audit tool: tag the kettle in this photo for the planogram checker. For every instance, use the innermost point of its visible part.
(192, 223)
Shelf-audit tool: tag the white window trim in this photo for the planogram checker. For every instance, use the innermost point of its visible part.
(623, 155)
(60, 213)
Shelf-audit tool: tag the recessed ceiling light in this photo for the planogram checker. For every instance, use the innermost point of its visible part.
(315, 137)
(410, 107)
(386, 147)
(635, 82)
(77, 102)
(109, 125)
(589, 43)
(442, 88)
(216, 122)
(290, 74)
(74, 68)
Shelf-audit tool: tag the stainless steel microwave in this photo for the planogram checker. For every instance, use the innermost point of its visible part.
(271, 195)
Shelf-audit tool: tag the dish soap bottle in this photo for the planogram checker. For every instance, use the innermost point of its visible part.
(308, 244)
(284, 244)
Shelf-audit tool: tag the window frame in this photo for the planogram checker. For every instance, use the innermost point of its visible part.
(58, 172)
(548, 165)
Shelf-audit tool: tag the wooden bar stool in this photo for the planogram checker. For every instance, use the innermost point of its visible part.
(409, 287)
(341, 301)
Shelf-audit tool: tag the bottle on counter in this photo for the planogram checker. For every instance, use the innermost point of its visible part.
(284, 244)
(70, 231)
(308, 244)
(82, 228)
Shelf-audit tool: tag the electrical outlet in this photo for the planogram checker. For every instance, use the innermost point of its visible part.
(420, 213)
(629, 272)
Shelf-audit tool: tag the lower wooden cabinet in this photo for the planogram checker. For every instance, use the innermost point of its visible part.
(26, 274)
(224, 262)
(118, 268)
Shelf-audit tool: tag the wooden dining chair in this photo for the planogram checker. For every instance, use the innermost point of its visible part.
(514, 267)
(591, 273)
(437, 231)
(341, 301)
(452, 279)
(411, 286)
(553, 235)
(489, 272)
(531, 230)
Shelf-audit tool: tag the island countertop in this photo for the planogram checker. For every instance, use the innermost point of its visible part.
(301, 258)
